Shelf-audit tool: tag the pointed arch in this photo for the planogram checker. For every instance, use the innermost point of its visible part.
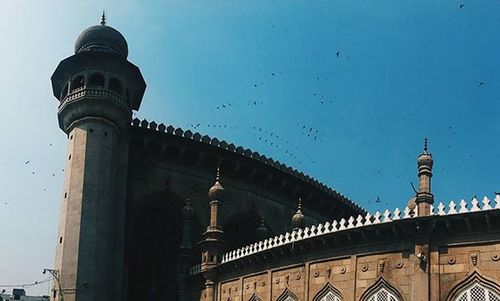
(475, 286)
(328, 293)
(381, 290)
(287, 295)
(254, 298)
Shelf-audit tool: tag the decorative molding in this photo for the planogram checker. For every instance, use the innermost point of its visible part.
(380, 284)
(473, 277)
(330, 228)
(327, 289)
(473, 258)
(364, 267)
(287, 295)
(452, 260)
(254, 298)
(246, 153)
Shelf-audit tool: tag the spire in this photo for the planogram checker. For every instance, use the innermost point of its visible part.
(217, 191)
(298, 219)
(262, 232)
(424, 197)
(103, 18)
(217, 175)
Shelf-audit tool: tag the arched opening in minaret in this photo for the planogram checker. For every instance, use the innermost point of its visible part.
(96, 80)
(78, 82)
(64, 91)
(115, 85)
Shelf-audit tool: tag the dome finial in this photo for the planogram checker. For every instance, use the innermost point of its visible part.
(298, 219)
(217, 175)
(103, 18)
(425, 145)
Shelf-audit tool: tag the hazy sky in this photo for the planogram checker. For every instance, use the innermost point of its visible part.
(406, 70)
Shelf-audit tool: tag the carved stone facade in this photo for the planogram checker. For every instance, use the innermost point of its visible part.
(437, 257)
(144, 216)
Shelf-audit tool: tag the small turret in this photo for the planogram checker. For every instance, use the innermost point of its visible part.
(298, 219)
(424, 198)
(213, 245)
(262, 232)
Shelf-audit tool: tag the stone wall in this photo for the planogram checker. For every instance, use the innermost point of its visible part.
(353, 275)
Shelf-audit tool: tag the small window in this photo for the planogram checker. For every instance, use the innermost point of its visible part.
(115, 85)
(96, 80)
(78, 82)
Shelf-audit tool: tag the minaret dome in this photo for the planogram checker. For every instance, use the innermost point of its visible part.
(102, 38)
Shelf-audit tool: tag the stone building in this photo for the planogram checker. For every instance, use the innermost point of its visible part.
(151, 212)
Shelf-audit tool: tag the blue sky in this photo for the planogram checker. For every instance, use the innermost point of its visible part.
(406, 70)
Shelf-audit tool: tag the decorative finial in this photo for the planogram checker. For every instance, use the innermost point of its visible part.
(300, 204)
(425, 145)
(217, 176)
(103, 18)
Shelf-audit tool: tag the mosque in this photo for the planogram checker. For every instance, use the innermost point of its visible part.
(152, 212)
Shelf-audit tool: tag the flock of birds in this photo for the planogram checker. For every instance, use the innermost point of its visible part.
(271, 139)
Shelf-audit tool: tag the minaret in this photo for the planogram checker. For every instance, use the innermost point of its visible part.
(97, 89)
(212, 246)
(298, 219)
(424, 198)
(186, 258)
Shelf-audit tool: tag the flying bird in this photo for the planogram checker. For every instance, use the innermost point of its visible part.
(337, 53)
(461, 5)
(480, 84)
(27, 162)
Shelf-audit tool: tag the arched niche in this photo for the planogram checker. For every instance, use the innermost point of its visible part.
(77, 82)
(328, 293)
(115, 85)
(254, 298)
(287, 295)
(96, 79)
(475, 287)
(381, 290)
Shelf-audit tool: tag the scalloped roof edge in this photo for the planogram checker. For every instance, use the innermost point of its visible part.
(245, 152)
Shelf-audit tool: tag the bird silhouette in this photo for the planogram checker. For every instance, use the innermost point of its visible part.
(337, 53)
(461, 6)
(26, 162)
(480, 84)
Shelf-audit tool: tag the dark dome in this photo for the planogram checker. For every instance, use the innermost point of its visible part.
(102, 38)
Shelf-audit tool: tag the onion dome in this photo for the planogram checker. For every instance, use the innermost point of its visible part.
(102, 38)
(298, 219)
(412, 203)
(187, 210)
(262, 232)
(216, 192)
(425, 158)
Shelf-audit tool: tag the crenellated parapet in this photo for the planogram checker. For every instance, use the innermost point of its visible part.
(367, 222)
(252, 155)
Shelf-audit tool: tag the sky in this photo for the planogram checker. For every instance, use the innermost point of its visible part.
(264, 75)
